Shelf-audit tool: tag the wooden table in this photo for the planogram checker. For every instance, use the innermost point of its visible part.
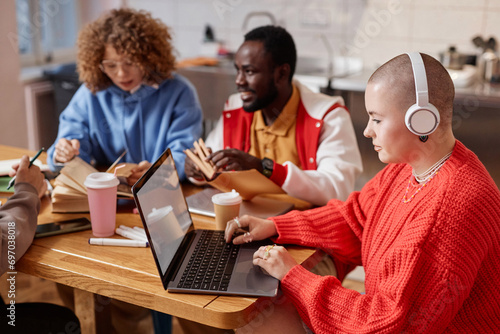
(129, 274)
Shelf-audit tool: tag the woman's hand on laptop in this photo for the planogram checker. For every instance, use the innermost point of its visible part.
(254, 229)
(137, 172)
(274, 260)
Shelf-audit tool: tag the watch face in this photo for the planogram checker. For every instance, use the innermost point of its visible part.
(268, 164)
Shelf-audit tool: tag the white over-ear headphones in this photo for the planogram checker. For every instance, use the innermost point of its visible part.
(422, 118)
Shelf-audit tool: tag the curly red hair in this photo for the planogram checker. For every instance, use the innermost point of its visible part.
(134, 34)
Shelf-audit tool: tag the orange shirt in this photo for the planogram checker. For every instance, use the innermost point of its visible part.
(277, 141)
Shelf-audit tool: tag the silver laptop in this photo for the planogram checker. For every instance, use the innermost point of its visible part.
(189, 260)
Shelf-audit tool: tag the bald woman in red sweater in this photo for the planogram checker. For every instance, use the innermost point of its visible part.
(426, 228)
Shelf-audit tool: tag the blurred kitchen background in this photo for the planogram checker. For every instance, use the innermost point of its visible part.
(339, 44)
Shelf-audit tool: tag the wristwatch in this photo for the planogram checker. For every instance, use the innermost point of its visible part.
(267, 167)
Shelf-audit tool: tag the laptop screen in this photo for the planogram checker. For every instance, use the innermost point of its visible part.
(163, 208)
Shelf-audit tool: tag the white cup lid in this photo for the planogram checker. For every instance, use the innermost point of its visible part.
(229, 198)
(101, 181)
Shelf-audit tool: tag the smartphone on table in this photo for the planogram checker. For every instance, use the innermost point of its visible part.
(66, 226)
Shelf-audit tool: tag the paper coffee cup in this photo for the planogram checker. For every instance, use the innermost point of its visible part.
(101, 191)
(226, 207)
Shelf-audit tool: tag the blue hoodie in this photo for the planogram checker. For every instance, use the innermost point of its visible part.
(144, 123)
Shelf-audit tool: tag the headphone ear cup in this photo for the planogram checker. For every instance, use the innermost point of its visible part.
(422, 121)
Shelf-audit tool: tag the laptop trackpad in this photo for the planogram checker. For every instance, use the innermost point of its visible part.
(247, 277)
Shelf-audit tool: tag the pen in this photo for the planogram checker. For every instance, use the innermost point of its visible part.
(130, 235)
(11, 183)
(117, 242)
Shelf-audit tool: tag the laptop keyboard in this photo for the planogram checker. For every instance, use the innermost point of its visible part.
(211, 264)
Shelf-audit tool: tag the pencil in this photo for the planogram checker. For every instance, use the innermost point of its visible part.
(11, 183)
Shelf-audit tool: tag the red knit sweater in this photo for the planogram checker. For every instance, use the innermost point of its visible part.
(432, 265)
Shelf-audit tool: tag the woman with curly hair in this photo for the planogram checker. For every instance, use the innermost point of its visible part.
(131, 100)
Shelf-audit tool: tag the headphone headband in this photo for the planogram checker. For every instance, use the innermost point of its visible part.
(422, 118)
(420, 76)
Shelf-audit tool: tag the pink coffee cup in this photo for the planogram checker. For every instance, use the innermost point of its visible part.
(101, 190)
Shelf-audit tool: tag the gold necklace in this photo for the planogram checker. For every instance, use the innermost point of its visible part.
(407, 200)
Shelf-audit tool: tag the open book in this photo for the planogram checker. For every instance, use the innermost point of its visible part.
(70, 193)
(248, 183)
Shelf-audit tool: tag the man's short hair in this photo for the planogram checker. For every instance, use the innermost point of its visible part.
(278, 42)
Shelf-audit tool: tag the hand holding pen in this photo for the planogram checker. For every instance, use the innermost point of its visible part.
(26, 172)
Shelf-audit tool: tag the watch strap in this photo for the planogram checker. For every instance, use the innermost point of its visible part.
(267, 167)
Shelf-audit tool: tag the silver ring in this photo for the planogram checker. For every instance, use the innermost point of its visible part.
(237, 221)
(247, 234)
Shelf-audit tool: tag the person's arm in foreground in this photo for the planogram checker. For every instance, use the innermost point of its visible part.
(323, 227)
(18, 216)
(414, 292)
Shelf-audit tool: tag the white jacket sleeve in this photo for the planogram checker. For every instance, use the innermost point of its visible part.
(338, 163)
(215, 139)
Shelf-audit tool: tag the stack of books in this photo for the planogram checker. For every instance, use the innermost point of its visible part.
(70, 193)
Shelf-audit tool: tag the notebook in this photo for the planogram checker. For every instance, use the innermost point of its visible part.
(201, 203)
(174, 242)
(6, 166)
